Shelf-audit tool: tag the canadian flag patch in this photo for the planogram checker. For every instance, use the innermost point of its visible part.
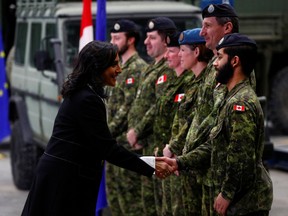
(161, 79)
(239, 108)
(179, 97)
(130, 81)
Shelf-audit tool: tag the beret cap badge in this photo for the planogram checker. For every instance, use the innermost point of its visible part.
(117, 26)
(181, 37)
(221, 41)
(211, 9)
(151, 25)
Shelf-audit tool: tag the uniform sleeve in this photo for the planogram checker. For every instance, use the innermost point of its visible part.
(196, 159)
(175, 125)
(241, 157)
(177, 142)
(145, 126)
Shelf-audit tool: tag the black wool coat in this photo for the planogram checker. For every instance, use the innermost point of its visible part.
(68, 174)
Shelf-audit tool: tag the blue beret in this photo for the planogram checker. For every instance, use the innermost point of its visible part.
(235, 39)
(160, 23)
(172, 40)
(219, 10)
(191, 36)
(124, 25)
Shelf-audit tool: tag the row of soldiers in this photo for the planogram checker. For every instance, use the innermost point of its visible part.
(168, 108)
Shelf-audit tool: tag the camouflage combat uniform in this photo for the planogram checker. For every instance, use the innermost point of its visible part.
(124, 186)
(235, 150)
(166, 106)
(210, 96)
(141, 118)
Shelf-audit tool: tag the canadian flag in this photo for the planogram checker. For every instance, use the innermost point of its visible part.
(161, 79)
(239, 108)
(86, 31)
(179, 97)
(130, 81)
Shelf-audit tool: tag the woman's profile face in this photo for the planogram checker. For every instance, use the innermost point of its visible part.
(110, 74)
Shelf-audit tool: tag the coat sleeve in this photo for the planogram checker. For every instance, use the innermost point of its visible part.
(96, 135)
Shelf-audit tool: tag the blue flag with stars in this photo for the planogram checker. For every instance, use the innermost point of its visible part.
(4, 98)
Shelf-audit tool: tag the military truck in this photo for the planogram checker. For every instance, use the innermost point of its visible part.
(267, 23)
(46, 43)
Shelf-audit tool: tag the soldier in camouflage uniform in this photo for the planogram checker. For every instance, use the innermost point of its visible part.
(218, 20)
(166, 106)
(124, 186)
(240, 183)
(154, 83)
(185, 191)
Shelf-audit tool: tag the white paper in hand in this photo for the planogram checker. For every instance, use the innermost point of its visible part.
(150, 160)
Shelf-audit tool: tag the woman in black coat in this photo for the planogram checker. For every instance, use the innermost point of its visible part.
(68, 175)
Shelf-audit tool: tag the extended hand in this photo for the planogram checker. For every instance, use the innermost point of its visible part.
(171, 161)
(162, 169)
(221, 204)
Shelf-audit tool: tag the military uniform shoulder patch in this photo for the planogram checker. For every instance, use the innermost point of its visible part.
(178, 97)
(129, 81)
(239, 108)
(161, 79)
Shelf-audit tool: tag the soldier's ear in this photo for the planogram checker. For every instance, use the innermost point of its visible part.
(131, 40)
(228, 27)
(235, 61)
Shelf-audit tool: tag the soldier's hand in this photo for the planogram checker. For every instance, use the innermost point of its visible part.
(171, 162)
(167, 152)
(137, 146)
(162, 169)
(221, 204)
(131, 137)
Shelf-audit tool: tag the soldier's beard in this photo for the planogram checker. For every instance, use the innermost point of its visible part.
(225, 73)
(123, 49)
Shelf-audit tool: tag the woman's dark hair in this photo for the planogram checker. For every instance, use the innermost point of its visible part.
(92, 61)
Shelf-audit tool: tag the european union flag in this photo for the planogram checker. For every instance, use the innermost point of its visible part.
(4, 98)
(101, 35)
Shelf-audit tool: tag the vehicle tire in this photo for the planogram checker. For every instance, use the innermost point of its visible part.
(278, 104)
(24, 157)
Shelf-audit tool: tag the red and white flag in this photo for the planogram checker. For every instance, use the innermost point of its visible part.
(86, 30)
(179, 97)
(239, 108)
(161, 79)
(129, 81)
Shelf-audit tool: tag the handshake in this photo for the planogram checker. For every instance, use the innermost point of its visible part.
(164, 166)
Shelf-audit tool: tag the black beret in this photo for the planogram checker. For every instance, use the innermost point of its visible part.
(124, 25)
(172, 40)
(219, 10)
(235, 39)
(160, 23)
